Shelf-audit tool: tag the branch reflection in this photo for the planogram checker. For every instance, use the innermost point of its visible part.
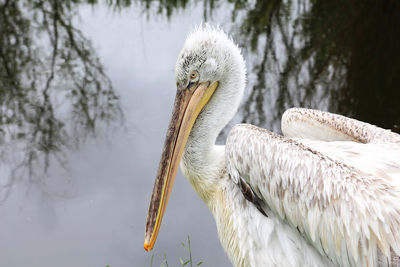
(340, 57)
(53, 90)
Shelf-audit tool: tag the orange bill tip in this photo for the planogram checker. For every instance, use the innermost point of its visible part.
(146, 246)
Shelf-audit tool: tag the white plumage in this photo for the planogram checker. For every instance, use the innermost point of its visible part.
(330, 187)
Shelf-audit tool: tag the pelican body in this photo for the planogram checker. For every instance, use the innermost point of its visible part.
(327, 193)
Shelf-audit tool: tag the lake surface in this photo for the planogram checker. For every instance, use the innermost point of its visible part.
(86, 94)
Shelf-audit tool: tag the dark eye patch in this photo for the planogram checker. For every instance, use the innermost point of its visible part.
(190, 85)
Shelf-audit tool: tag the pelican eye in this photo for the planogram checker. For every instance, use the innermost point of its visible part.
(193, 75)
(193, 79)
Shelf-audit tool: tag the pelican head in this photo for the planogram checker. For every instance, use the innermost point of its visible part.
(210, 79)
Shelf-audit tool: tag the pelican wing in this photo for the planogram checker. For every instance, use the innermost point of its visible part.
(325, 126)
(351, 216)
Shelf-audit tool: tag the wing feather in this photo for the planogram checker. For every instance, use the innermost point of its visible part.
(348, 215)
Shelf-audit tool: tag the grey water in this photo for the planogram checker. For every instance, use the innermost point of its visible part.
(86, 91)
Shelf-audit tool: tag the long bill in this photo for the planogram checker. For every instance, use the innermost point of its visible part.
(188, 104)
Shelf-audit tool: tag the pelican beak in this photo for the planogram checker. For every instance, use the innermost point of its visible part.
(188, 104)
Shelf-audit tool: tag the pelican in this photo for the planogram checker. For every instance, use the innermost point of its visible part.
(326, 193)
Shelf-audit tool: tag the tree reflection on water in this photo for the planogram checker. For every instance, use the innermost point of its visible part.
(340, 56)
(53, 89)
